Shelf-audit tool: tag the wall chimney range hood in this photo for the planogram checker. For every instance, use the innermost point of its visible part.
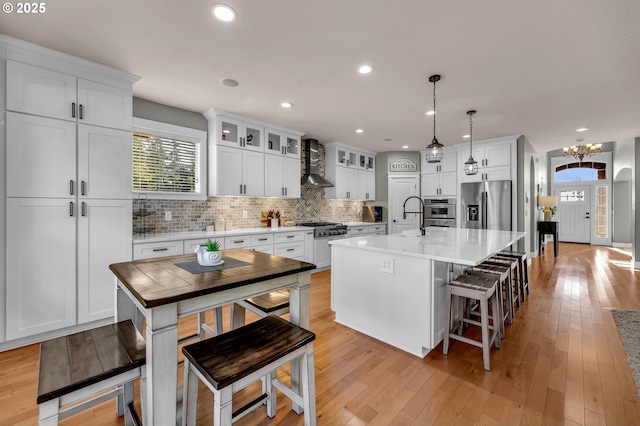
(311, 176)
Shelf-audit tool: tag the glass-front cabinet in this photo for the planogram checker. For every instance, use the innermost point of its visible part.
(366, 162)
(346, 157)
(282, 143)
(239, 134)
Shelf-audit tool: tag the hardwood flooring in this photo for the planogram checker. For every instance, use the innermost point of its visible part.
(560, 363)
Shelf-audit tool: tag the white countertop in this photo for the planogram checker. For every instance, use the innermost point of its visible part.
(171, 236)
(363, 223)
(456, 245)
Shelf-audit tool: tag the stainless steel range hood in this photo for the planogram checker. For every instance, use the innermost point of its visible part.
(311, 176)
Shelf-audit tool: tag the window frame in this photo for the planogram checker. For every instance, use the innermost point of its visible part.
(158, 128)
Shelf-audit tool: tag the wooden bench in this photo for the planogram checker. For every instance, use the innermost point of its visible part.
(274, 303)
(93, 365)
(233, 360)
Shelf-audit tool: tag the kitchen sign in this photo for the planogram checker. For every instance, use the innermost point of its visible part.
(403, 165)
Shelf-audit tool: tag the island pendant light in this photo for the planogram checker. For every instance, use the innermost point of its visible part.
(471, 165)
(434, 149)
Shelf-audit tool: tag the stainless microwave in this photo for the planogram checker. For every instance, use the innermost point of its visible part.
(439, 208)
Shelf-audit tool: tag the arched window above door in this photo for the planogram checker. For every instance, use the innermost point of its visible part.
(581, 171)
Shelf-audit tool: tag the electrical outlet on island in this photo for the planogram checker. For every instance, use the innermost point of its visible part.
(244, 214)
(167, 216)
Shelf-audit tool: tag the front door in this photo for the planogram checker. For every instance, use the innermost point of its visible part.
(401, 188)
(574, 213)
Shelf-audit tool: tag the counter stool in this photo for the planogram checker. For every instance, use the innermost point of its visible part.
(513, 266)
(229, 362)
(94, 366)
(504, 307)
(485, 291)
(504, 279)
(523, 259)
(274, 303)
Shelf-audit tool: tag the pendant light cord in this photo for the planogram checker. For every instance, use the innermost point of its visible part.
(470, 135)
(434, 110)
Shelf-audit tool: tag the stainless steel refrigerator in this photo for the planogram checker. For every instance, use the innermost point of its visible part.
(486, 205)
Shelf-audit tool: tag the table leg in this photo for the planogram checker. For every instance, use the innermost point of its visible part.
(125, 310)
(555, 244)
(299, 313)
(162, 364)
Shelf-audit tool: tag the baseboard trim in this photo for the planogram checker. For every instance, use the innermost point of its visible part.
(622, 245)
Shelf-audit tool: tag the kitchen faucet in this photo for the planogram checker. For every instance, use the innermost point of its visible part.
(421, 212)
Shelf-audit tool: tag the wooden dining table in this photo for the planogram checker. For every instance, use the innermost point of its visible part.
(161, 290)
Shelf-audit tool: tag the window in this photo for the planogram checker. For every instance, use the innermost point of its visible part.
(586, 170)
(571, 196)
(169, 162)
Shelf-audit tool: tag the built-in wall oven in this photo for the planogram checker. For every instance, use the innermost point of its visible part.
(440, 212)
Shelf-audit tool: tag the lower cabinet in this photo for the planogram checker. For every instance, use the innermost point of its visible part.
(52, 281)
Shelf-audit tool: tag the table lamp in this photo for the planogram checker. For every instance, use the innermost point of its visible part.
(548, 201)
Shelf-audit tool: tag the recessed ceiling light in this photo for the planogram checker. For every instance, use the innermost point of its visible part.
(466, 136)
(229, 82)
(582, 129)
(405, 146)
(359, 131)
(365, 69)
(223, 12)
(286, 105)
(432, 112)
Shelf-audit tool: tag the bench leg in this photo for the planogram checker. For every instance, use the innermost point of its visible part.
(309, 387)
(189, 395)
(270, 390)
(48, 412)
(222, 410)
(127, 395)
(237, 316)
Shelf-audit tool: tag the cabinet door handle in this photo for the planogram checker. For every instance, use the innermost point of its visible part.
(245, 189)
(71, 188)
(80, 112)
(73, 109)
(83, 209)
(241, 188)
(238, 242)
(82, 187)
(286, 191)
(71, 208)
(290, 236)
(290, 249)
(161, 249)
(262, 239)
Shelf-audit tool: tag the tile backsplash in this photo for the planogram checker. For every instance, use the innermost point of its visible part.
(196, 215)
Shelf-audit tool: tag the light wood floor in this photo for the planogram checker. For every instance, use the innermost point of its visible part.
(560, 363)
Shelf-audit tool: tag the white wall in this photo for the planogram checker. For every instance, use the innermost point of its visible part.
(623, 192)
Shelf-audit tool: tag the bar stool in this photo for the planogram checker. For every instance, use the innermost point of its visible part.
(504, 307)
(516, 264)
(83, 369)
(523, 258)
(504, 278)
(485, 291)
(231, 361)
(513, 266)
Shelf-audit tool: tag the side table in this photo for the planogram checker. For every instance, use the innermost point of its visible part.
(545, 228)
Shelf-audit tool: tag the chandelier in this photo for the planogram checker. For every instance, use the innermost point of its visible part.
(582, 150)
(434, 149)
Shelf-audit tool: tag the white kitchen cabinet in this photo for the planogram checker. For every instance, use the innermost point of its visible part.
(104, 237)
(366, 185)
(40, 91)
(440, 179)
(238, 133)
(281, 176)
(240, 172)
(494, 161)
(41, 266)
(236, 173)
(41, 156)
(68, 176)
(347, 168)
(280, 142)
(158, 249)
(308, 246)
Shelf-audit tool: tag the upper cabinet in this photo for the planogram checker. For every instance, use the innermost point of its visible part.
(440, 179)
(351, 170)
(43, 92)
(494, 159)
(282, 143)
(272, 169)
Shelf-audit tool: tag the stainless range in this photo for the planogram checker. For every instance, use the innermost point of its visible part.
(323, 232)
(326, 229)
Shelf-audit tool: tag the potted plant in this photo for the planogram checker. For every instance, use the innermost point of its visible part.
(209, 254)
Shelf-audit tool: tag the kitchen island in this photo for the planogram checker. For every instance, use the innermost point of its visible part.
(392, 287)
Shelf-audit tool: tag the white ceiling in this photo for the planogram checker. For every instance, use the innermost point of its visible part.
(541, 68)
